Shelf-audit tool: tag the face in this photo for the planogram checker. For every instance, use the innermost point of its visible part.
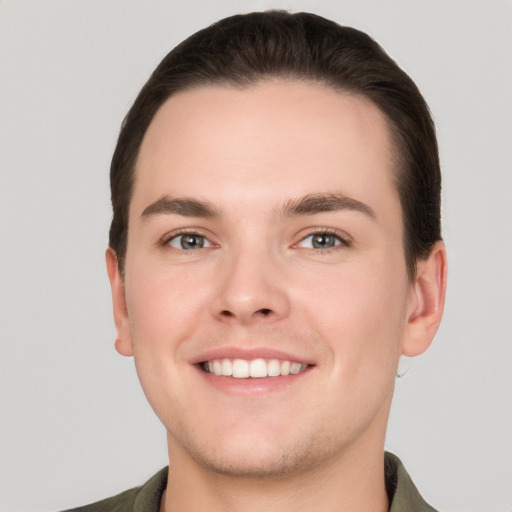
(266, 299)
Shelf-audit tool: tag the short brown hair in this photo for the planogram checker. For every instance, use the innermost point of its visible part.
(244, 49)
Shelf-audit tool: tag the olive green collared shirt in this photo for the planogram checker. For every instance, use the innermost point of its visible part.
(403, 495)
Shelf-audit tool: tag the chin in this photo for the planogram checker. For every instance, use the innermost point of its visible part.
(254, 454)
(254, 463)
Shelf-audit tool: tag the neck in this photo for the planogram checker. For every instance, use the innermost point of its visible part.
(353, 482)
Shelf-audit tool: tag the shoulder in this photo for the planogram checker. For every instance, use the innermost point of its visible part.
(122, 502)
(403, 494)
(145, 498)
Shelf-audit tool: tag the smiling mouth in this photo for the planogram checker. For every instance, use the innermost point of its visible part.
(255, 368)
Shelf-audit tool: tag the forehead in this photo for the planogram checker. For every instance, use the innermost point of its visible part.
(271, 140)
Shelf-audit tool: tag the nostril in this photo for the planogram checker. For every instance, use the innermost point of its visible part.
(263, 312)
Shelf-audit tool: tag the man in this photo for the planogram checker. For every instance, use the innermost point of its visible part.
(275, 248)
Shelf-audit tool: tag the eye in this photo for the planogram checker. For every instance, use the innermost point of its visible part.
(189, 242)
(322, 240)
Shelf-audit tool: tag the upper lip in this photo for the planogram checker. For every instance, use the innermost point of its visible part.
(248, 354)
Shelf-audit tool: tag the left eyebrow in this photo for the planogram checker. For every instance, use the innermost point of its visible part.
(318, 203)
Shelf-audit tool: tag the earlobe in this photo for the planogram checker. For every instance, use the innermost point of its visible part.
(123, 342)
(427, 302)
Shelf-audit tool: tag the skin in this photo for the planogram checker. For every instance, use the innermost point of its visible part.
(259, 283)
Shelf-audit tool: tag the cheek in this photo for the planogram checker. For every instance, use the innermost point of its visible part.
(162, 304)
(361, 314)
(162, 309)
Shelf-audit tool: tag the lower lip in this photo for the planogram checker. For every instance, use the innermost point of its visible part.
(252, 386)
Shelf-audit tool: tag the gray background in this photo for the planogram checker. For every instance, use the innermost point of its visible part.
(75, 426)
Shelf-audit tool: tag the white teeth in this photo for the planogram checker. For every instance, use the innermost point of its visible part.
(240, 369)
(274, 368)
(217, 367)
(256, 368)
(227, 367)
(295, 368)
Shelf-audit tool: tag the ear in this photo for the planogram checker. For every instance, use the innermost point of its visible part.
(426, 302)
(123, 340)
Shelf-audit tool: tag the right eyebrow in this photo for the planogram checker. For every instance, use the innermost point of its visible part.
(184, 206)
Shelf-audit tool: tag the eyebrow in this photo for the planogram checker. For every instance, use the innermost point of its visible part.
(186, 207)
(310, 204)
(317, 203)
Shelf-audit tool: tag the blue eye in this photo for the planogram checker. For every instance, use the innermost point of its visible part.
(321, 241)
(189, 242)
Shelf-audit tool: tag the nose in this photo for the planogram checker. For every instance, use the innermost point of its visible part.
(251, 289)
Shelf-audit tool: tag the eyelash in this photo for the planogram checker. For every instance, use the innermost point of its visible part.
(342, 238)
(165, 241)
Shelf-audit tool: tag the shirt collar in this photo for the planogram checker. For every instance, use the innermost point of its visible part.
(403, 494)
